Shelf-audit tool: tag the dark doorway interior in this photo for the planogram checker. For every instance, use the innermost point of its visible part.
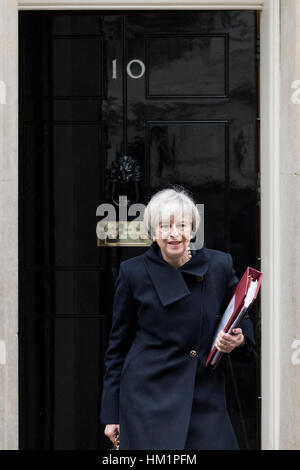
(177, 90)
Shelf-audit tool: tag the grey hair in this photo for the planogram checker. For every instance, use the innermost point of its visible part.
(171, 201)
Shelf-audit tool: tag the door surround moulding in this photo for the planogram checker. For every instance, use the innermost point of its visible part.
(270, 175)
(140, 5)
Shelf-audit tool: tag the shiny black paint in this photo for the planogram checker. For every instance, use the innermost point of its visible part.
(190, 120)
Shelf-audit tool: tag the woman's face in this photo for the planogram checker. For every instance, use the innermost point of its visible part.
(173, 237)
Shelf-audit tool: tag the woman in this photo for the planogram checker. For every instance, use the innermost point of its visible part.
(157, 391)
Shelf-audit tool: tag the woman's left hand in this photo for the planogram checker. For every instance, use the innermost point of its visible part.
(226, 342)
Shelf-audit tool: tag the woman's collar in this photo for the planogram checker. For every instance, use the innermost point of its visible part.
(168, 280)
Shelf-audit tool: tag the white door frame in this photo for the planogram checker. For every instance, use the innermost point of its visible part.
(270, 175)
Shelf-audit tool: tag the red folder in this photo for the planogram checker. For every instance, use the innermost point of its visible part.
(235, 310)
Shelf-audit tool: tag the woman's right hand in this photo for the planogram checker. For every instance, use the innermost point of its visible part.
(111, 430)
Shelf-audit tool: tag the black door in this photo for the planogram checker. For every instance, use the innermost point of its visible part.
(176, 91)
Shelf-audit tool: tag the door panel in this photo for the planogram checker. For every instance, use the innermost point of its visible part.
(62, 363)
(177, 91)
(187, 73)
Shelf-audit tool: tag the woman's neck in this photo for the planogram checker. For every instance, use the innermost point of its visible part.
(177, 262)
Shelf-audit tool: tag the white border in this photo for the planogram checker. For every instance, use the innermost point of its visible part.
(270, 206)
(270, 224)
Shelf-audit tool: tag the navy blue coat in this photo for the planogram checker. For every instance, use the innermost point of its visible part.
(160, 314)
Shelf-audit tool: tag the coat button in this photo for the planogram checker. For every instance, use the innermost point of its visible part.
(199, 278)
(193, 353)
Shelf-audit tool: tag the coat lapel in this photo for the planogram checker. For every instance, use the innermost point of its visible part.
(167, 280)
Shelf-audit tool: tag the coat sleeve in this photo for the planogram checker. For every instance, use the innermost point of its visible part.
(245, 353)
(121, 336)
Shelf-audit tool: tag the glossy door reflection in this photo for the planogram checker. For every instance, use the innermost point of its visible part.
(177, 91)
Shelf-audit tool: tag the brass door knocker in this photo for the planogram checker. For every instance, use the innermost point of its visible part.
(124, 171)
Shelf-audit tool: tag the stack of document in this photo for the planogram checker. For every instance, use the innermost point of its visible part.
(244, 295)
